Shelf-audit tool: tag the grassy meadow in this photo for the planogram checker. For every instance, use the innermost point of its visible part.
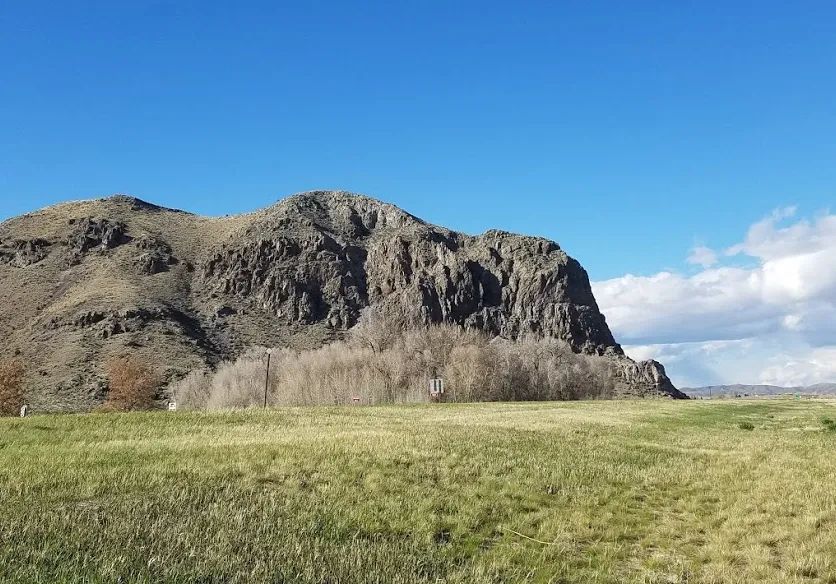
(576, 492)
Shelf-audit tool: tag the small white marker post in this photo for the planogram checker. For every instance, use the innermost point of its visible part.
(23, 409)
(172, 406)
(436, 388)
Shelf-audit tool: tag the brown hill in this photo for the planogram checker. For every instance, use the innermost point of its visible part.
(87, 280)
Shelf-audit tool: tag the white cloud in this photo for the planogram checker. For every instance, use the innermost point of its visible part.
(703, 256)
(777, 317)
(767, 240)
(816, 366)
(772, 360)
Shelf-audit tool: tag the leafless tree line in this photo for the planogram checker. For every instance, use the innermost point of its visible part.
(389, 358)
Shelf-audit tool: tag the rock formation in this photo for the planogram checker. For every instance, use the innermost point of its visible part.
(88, 280)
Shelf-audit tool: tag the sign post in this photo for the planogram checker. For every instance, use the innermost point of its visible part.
(267, 377)
(436, 389)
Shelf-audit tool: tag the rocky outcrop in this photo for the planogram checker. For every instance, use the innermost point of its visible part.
(326, 256)
(184, 291)
(645, 378)
(89, 234)
(22, 253)
(304, 280)
(323, 257)
(154, 255)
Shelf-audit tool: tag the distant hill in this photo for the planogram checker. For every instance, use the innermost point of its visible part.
(81, 282)
(741, 389)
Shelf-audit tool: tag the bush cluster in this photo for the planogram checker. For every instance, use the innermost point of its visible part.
(388, 360)
(132, 384)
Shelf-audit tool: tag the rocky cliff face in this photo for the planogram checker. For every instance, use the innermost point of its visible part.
(323, 257)
(119, 274)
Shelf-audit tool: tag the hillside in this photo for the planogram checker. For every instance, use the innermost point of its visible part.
(88, 280)
(759, 390)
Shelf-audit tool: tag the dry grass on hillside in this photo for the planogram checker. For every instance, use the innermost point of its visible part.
(63, 358)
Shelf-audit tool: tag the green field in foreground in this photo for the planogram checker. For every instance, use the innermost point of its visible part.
(654, 491)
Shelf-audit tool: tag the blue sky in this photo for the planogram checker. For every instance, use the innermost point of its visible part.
(629, 132)
(625, 131)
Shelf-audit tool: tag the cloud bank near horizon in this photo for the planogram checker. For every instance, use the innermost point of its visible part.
(760, 311)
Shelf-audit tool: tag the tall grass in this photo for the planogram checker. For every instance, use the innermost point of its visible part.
(628, 492)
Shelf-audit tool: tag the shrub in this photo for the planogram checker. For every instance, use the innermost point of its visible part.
(470, 374)
(829, 424)
(238, 384)
(133, 384)
(11, 387)
(390, 360)
(746, 426)
(193, 391)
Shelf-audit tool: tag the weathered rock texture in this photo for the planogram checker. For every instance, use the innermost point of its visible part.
(84, 281)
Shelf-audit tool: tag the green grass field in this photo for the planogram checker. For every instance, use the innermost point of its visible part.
(649, 492)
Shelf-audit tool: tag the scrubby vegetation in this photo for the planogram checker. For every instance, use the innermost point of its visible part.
(388, 359)
(627, 492)
(132, 384)
(11, 387)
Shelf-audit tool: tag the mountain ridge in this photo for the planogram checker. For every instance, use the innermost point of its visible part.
(90, 279)
(759, 389)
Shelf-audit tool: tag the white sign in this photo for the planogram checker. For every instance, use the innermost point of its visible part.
(172, 406)
(23, 411)
(436, 387)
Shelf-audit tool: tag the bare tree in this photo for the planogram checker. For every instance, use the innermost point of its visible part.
(390, 361)
(193, 391)
(380, 326)
(470, 374)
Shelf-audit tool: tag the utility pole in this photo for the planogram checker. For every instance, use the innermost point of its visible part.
(267, 377)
